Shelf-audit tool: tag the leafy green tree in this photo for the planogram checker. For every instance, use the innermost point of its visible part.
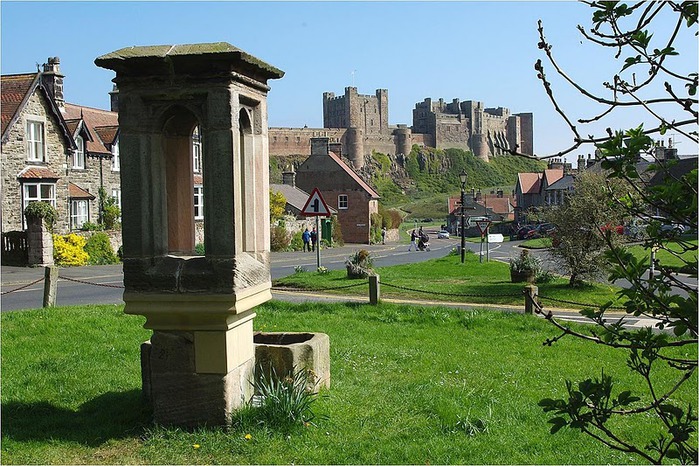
(585, 223)
(596, 404)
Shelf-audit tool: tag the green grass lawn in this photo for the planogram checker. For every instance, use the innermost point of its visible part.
(408, 385)
(537, 243)
(677, 259)
(446, 279)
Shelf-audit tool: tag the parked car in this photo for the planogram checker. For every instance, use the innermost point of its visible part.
(443, 234)
(546, 229)
(524, 231)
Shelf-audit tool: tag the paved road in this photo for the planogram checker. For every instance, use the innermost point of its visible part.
(78, 285)
(110, 277)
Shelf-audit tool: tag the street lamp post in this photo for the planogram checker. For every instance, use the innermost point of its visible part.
(463, 177)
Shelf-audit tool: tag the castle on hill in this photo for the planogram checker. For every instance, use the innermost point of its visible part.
(359, 124)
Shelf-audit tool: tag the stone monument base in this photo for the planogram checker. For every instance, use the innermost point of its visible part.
(179, 395)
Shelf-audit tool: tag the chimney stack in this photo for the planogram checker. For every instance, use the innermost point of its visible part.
(336, 147)
(319, 146)
(114, 99)
(289, 177)
(53, 81)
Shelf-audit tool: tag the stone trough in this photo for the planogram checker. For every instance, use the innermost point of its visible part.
(289, 352)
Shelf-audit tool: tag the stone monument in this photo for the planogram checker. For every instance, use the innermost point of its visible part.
(198, 365)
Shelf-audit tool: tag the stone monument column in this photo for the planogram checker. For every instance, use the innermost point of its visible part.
(198, 365)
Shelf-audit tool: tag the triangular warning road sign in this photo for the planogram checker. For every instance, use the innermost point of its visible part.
(483, 225)
(315, 205)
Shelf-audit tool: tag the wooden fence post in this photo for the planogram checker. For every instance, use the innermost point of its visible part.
(50, 285)
(531, 292)
(374, 292)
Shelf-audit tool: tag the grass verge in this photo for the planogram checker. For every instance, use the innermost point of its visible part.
(410, 385)
(446, 279)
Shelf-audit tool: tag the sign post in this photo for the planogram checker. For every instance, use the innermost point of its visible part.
(316, 207)
(483, 226)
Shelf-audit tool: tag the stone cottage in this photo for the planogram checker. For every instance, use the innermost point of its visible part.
(342, 189)
(54, 151)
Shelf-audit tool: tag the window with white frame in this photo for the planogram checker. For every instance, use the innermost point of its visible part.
(342, 201)
(198, 202)
(79, 154)
(79, 213)
(116, 161)
(33, 192)
(116, 194)
(36, 150)
(196, 150)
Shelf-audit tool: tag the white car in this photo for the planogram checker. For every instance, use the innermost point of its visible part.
(443, 234)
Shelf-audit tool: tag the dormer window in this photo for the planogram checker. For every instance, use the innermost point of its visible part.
(79, 154)
(36, 151)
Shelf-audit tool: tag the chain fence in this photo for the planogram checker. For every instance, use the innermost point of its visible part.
(575, 303)
(23, 286)
(355, 285)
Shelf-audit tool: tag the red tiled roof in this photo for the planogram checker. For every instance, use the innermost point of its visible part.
(76, 192)
(13, 91)
(354, 175)
(530, 182)
(37, 173)
(95, 118)
(107, 133)
(499, 205)
(552, 175)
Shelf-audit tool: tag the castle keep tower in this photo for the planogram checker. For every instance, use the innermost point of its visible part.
(198, 364)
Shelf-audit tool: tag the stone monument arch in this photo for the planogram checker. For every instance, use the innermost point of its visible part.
(198, 364)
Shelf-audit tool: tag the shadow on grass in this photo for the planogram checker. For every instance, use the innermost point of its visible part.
(114, 415)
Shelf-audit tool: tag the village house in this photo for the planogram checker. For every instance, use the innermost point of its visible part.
(342, 189)
(54, 151)
(530, 190)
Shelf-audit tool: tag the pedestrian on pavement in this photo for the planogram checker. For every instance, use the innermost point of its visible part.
(383, 235)
(413, 244)
(314, 239)
(306, 237)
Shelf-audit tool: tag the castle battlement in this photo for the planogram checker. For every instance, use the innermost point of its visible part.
(360, 123)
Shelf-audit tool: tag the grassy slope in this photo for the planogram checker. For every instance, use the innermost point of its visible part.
(406, 384)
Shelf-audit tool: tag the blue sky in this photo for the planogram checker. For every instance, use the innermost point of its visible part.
(482, 51)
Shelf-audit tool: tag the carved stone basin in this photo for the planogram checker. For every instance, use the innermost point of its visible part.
(289, 352)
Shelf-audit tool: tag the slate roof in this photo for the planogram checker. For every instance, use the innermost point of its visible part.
(565, 183)
(294, 196)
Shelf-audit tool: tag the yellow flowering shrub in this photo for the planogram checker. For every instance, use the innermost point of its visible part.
(69, 250)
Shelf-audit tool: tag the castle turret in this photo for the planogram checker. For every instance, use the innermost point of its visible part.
(355, 146)
(403, 138)
(479, 146)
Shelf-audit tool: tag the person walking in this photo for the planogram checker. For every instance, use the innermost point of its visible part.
(306, 237)
(413, 244)
(383, 235)
(314, 239)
